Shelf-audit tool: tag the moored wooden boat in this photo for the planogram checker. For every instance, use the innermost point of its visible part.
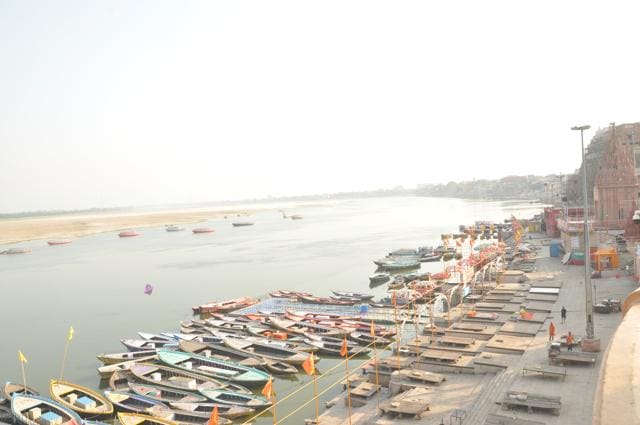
(283, 293)
(224, 410)
(302, 327)
(145, 345)
(281, 368)
(365, 339)
(354, 295)
(222, 352)
(119, 380)
(333, 346)
(128, 234)
(182, 417)
(80, 399)
(173, 228)
(215, 368)
(114, 358)
(226, 353)
(10, 389)
(12, 251)
(165, 395)
(138, 419)
(324, 301)
(242, 224)
(270, 333)
(179, 379)
(59, 242)
(226, 397)
(34, 410)
(224, 306)
(6, 416)
(267, 351)
(108, 370)
(199, 230)
(131, 402)
(155, 337)
(379, 278)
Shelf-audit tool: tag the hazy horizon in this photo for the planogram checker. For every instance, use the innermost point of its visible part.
(167, 102)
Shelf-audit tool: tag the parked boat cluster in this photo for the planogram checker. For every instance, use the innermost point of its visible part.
(179, 377)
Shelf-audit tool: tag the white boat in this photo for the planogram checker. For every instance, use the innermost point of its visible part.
(174, 228)
(11, 251)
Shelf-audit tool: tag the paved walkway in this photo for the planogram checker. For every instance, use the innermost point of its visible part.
(479, 394)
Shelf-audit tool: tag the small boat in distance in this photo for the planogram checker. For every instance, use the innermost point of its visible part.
(59, 242)
(242, 224)
(295, 217)
(11, 251)
(198, 230)
(128, 234)
(173, 228)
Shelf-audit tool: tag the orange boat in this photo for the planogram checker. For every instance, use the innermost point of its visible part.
(59, 242)
(128, 234)
(203, 230)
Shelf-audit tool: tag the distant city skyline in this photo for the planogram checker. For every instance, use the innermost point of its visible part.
(167, 102)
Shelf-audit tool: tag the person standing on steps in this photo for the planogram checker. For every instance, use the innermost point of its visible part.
(570, 342)
(552, 331)
(563, 314)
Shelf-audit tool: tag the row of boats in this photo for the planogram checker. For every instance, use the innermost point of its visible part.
(178, 378)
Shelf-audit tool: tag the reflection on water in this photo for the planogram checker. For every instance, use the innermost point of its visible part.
(96, 283)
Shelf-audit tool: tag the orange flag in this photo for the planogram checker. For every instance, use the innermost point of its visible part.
(309, 365)
(343, 350)
(373, 330)
(267, 391)
(213, 420)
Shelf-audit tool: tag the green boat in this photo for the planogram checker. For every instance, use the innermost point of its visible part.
(214, 368)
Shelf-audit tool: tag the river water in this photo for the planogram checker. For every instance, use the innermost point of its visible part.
(96, 283)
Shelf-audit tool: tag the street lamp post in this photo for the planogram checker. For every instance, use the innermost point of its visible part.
(587, 247)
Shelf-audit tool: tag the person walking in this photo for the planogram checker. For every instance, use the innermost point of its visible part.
(570, 342)
(552, 331)
(563, 314)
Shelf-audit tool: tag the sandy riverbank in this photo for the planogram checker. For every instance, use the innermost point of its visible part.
(75, 226)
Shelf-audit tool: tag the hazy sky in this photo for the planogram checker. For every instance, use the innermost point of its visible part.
(108, 103)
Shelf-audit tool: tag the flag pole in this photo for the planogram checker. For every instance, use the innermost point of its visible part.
(64, 358)
(24, 375)
(66, 349)
(395, 319)
(273, 409)
(375, 359)
(346, 363)
(315, 390)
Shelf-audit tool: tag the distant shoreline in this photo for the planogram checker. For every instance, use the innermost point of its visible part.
(72, 226)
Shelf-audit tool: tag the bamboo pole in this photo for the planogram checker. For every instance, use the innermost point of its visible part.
(64, 358)
(346, 364)
(315, 389)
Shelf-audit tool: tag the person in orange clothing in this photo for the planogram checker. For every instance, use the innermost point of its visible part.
(552, 331)
(570, 342)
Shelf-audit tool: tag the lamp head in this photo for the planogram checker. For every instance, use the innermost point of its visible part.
(581, 127)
